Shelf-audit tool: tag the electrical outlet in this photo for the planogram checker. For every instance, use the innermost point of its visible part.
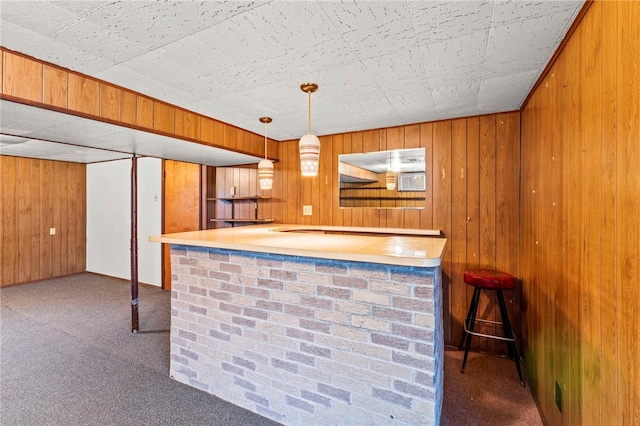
(306, 210)
(559, 397)
(232, 191)
(52, 231)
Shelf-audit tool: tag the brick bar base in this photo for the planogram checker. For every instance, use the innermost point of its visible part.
(308, 341)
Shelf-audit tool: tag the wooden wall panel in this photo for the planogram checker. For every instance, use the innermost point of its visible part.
(164, 118)
(181, 198)
(56, 87)
(10, 225)
(144, 112)
(110, 102)
(22, 77)
(84, 94)
(453, 197)
(129, 107)
(35, 198)
(579, 237)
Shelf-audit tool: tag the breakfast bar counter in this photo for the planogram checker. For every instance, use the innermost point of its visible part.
(311, 324)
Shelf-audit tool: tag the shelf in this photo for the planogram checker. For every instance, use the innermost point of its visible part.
(232, 200)
(230, 220)
(384, 198)
(253, 198)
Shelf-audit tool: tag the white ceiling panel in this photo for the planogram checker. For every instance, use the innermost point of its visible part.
(44, 150)
(436, 21)
(40, 133)
(239, 60)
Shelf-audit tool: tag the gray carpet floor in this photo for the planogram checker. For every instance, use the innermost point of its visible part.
(67, 357)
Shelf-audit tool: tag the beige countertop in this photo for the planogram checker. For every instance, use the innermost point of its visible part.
(415, 248)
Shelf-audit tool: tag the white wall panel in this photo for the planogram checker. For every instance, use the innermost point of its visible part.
(109, 219)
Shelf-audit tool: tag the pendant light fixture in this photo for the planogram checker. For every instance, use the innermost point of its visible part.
(390, 176)
(265, 167)
(309, 144)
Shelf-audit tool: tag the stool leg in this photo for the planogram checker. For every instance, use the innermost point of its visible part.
(513, 351)
(466, 320)
(470, 322)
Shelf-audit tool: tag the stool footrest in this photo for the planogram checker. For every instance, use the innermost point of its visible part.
(488, 336)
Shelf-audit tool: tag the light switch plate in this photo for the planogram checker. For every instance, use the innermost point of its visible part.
(306, 210)
(52, 231)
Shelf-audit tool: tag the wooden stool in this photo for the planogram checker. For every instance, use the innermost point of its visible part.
(487, 279)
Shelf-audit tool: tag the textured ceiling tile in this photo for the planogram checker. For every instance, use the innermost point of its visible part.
(512, 84)
(457, 75)
(159, 68)
(440, 57)
(154, 23)
(442, 20)
(31, 15)
(396, 72)
(80, 7)
(531, 44)
(372, 28)
(89, 37)
(41, 47)
(463, 95)
(507, 12)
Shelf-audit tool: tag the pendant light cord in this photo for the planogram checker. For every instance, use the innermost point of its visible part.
(309, 116)
(265, 140)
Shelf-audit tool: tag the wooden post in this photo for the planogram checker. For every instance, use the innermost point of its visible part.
(134, 245)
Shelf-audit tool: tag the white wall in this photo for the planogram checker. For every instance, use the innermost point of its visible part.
(109, 219)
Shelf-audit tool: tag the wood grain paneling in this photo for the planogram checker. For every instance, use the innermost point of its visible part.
(129, 107)
(144, 112)
(110, 102)
(55, 86)
(36, 196)
(579, 238)
(164, 117)
(181, 198)
(84, 94)
(22, 77)
(453, 196)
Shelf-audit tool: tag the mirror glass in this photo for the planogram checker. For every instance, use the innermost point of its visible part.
(394, 179)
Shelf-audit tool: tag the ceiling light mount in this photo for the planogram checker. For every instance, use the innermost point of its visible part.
(308, 87)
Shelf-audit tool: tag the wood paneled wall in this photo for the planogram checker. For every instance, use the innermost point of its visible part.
(181, 205)
(472, 196)
(37, 195)
(580, 244)
(31, 81)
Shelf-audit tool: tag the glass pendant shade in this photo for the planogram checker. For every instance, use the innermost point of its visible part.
(265, 167)
(309, 144)
(309, 154)
(265, 174)
(391, 180)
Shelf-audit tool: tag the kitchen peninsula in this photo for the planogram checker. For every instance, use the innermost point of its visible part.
(311, 324)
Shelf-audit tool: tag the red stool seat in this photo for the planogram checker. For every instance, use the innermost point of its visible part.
(489, 279)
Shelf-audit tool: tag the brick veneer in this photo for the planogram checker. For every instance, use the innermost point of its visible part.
(309, 341)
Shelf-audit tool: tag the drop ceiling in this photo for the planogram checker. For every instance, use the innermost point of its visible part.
(377, 63)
